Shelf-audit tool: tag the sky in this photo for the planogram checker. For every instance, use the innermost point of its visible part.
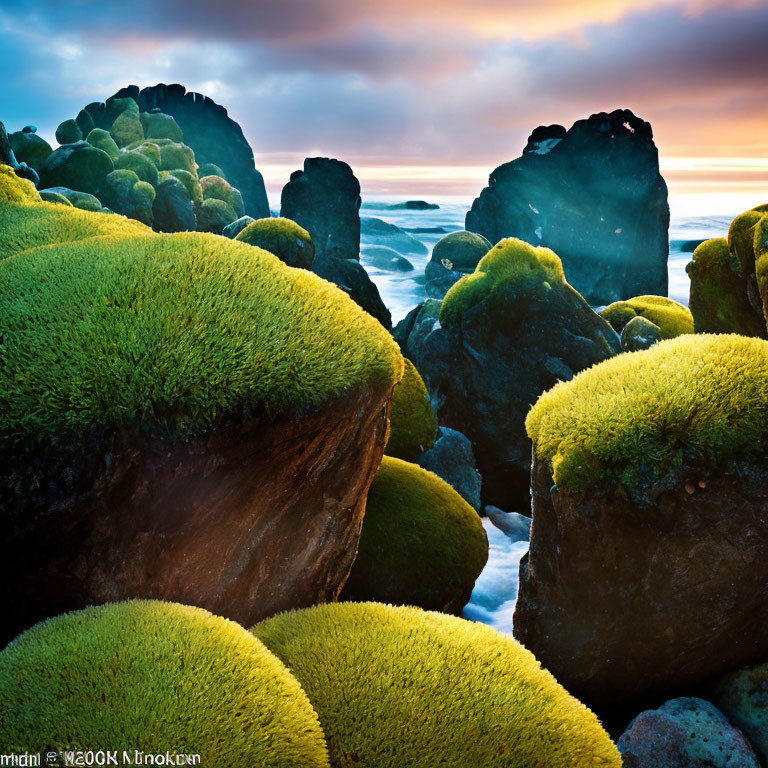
(419, 96)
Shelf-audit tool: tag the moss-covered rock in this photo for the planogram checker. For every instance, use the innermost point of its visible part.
(220, 189)
(639, 333)
(405, 687)
(81, 200)
(128, 195)
(102, 140)
(453, 256)
(80, 166)
(158, 125)
(14, 189)
(139, 163)
(413, 424)
(127, 128)
(150, 149)
(51, 196)
(176, 156)
(85, 122)
(154, 676)
(69, 132)
(191, 184)
(283, 237)
(237, 226)
(173, 210)
(211, 169)
(213, 215)
(421, 543)
(671, 318)
(30, 148)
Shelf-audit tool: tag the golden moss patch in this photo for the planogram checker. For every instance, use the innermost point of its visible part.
(699, 398)
(413, 424)
(405, 687)
(14, 189)
(421, 543)
(673, 319)
(171, 331)
(291, 243)
(155, 677)
(511, 262)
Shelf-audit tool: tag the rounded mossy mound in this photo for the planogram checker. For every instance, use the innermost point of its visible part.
(45, 223)
(155, 677)
(291, 243)
(530, 269)
(694, 399)
(139, 163)
(412, 421)
(14, 189)
(213, 215)
(406, 687)
(184, 329)
(217, 188)
(741, 238)
(421, 543)
(460, 251)
(672, 319)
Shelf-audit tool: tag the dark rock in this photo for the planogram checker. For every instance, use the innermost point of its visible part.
(639, 333)
(623, 594)
(685, 733)
(352, 278)
(688, 246)
(595, 196)
(451, 458)
(172, 209)
(324, 199)
(213, 215)
(453, 256)
(384, 258)
(486, 367)
(374, 231)
(414, 205)
(7, 157)
(79, 166)
(82, 200)
(426, 230)
(69, 132)
(212, 134)
(743, 697)
(416, 326)
(30, 148)
(513, 525)
(237, 226)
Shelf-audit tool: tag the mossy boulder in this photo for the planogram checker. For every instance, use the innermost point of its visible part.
(406, 687)
(413, 424)
(152, 677)
(648, 562)
(191, 184)
(157, 125)
(150, 149)
(101, 139)
(211, 169)
(283, 237)
(502, 336)
(639, 333)
(173, 209)
(139, 163)
(671, 318)
(214, 187)
(79, 166)
(81, 200)
(69, 132)
(228, 387)
(421, 543)
(237, 226)
(176, 156)
(51, 196)
(453, 256)
(14, 189)
(213, 215)
(85, 122)
(128, 195)
(30, 148)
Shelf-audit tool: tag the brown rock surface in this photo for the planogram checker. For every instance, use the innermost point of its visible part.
(620, 596)
(254, 517)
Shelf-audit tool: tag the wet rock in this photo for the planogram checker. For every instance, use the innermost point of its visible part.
(375, 231)
(172, 209)
(639, 333)
(513, 525)
(453, 256)
(452, 459)
(30, 148)
(384, 258)
(79, 166)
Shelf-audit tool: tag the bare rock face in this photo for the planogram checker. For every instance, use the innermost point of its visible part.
(685, 733)
(213, 135)
(623, 594)
(595, 196)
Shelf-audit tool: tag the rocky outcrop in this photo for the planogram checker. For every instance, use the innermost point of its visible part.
(595, 196)
(685, 733)
(7, 157)
(503, 336)
(79, 166)
(213, 135)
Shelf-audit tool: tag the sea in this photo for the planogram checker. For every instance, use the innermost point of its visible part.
(495, 592)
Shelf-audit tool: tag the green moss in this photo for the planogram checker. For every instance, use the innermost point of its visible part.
(421, 543)
(158, 125)
(406, 687)
(460, 251)
(174, 156)
(719, 298)
(49, 196)
(211, 169)
(511, 262)
(85, 122)
(149, 149)
(28, 226)
(143, 193)
(83, 200)
(191, 184)
(213, 215)
(100, 139)
(127, 128)
(696, 398)
(741, 237)
(673, 319)
(155, 677)
(69, 132)
(214, 187)
(171, 332)
(140, 164)
(413, 424)
(30, 148)
(14, 189)
(291, 243)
